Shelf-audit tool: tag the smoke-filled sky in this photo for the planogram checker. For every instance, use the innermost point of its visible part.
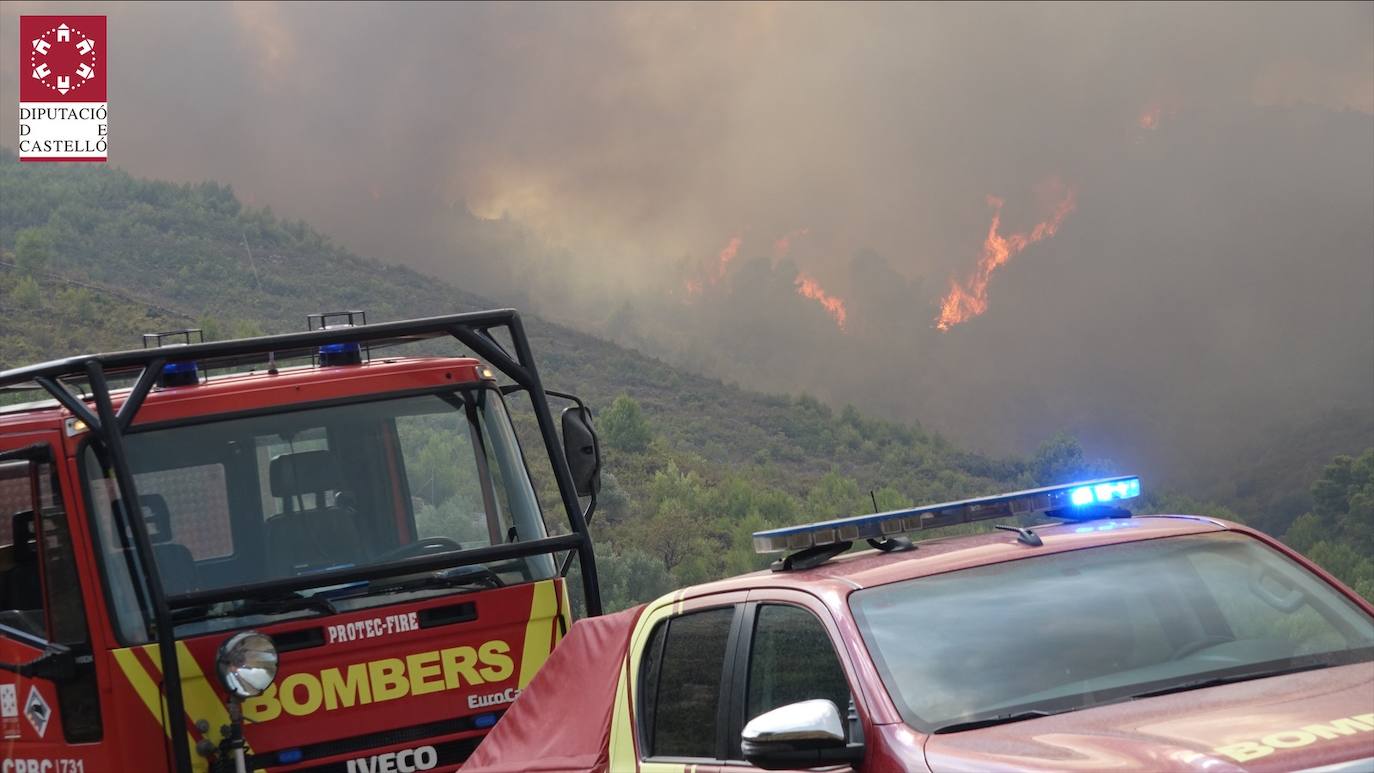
(1207, 170)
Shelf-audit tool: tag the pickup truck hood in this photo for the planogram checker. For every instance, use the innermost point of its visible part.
(1293, 722)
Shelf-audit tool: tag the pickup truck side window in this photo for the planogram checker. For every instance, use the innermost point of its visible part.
(791, 660)
(682, 684)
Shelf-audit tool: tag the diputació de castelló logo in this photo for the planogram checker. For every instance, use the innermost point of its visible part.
(63, 105)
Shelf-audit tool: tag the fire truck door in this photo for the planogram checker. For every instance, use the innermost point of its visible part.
(49, 703)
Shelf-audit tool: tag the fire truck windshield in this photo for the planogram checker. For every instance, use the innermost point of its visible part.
(1065, 631)
(255, 499)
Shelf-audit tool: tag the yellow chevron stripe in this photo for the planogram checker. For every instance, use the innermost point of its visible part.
(538, 631)
(143, 685)
(188, 695)
(199, 697)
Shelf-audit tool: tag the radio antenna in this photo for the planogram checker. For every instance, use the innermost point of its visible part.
(257, 281)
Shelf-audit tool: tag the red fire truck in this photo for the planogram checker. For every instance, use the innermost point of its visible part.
(300, 552)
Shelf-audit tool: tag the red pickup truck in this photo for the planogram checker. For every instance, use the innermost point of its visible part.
(1101, 641)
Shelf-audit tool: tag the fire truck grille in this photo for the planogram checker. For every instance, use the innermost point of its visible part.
(449, 752)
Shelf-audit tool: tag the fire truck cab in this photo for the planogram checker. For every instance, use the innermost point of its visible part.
(301, 552)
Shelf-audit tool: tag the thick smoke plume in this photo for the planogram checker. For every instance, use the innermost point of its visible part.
(782, 193)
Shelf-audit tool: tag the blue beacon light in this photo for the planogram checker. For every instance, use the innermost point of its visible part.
(184, 373)
(340, 354)
(176, 373)
(344, 352)
(1103, 493)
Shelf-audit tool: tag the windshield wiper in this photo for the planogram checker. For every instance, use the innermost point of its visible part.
(455, 577)
(274, 605)
(266, 604)
(1213, 681)
(1000, 719)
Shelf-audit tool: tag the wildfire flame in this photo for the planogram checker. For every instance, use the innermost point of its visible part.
(1149, 120)
(808, 287)
(971, 298)
(784, 243)
(712, 274)
(726, 255)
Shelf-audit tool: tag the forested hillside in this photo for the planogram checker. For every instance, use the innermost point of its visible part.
(92, 257)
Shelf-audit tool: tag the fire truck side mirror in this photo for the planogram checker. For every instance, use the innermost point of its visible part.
(582, 450)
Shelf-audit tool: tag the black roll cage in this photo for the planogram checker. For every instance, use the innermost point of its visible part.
(108, 426)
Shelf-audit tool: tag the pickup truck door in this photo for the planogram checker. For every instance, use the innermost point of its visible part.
(786, 654)
(685, 673)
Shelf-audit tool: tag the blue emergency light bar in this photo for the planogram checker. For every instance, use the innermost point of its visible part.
(1081, 499)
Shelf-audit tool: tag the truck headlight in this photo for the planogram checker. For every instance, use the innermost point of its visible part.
(247, 663)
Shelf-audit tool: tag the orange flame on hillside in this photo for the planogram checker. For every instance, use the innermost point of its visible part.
(1149, 120)
(971, 298)
(726, 255)
(784, 243)
(808, 287)
(713, 273)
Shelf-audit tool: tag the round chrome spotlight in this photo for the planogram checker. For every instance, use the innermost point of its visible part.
(247, 663)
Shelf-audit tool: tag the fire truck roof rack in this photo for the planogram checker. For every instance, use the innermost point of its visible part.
(473, 330)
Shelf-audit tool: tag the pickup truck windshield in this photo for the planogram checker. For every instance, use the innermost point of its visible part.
(1070, 630)
(281, 495)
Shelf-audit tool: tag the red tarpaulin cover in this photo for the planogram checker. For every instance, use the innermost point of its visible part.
(562, 720)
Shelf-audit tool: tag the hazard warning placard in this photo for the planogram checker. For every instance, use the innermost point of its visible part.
(36, 711)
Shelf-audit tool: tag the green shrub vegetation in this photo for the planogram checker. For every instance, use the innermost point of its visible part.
(1339, 531)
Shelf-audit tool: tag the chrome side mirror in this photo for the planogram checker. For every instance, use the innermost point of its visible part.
(808, 734)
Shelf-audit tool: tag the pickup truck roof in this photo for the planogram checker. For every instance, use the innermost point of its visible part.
(868, 568)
